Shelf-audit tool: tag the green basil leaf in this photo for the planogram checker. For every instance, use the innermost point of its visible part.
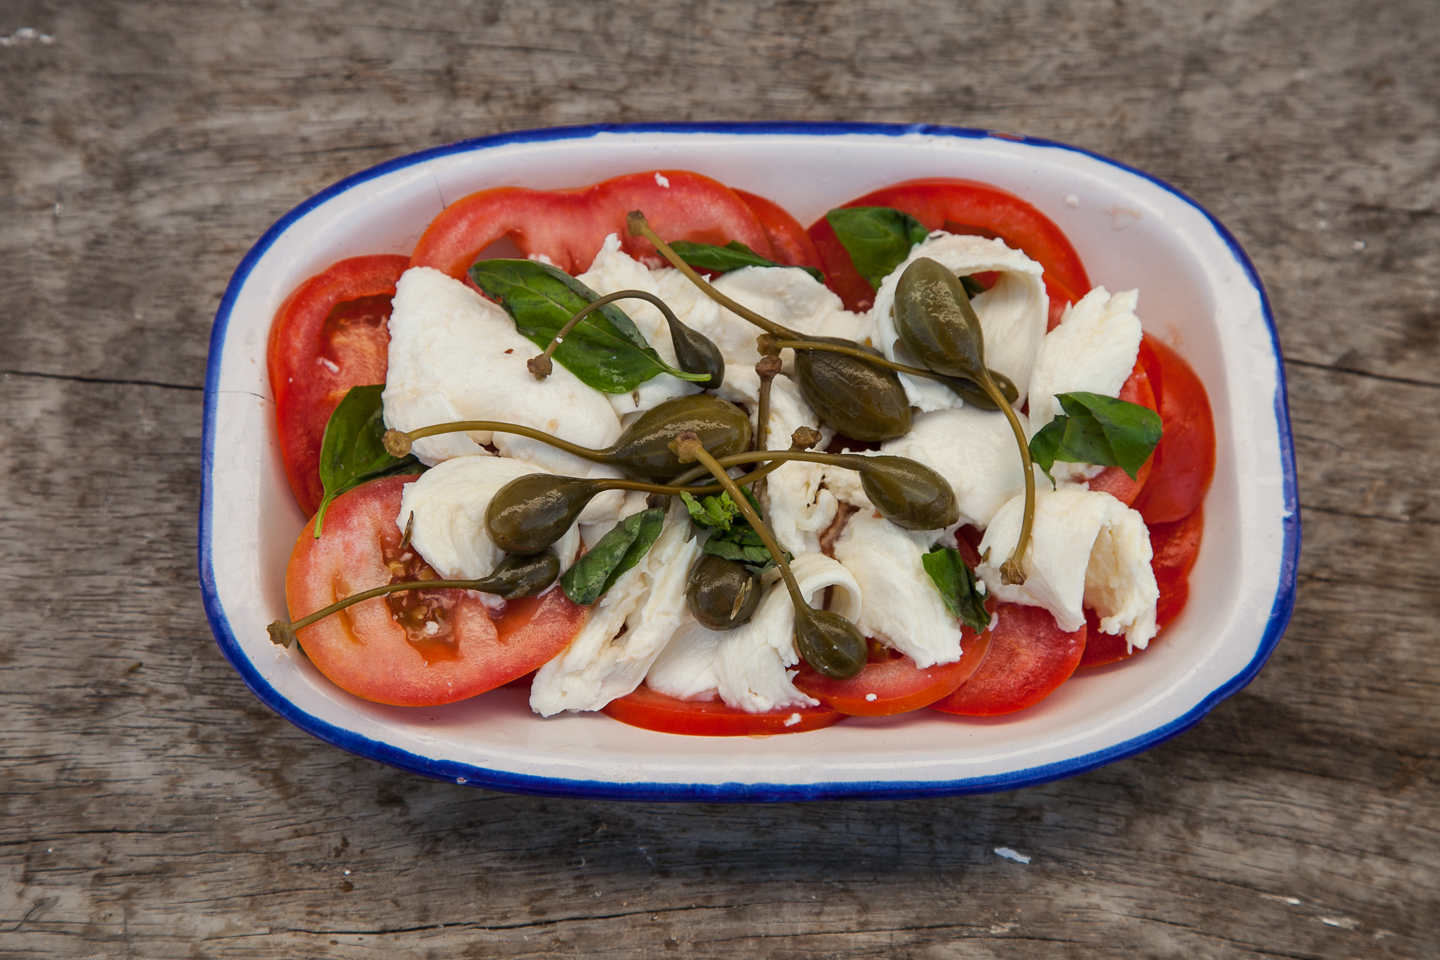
(956, 583)
(605, 350)
(731, 535)
(878, 239)
(732, 256)
(1101, 430)
(352, 451)
(592, 576)
(717, 512)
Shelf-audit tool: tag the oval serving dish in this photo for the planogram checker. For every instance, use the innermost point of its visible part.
(1198, 291)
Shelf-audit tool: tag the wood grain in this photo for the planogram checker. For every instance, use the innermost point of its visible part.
(150, 807)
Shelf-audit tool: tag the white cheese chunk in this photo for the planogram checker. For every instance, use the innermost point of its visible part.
(448, 503)
(749, 666)
(1093, 350)
(901, 606)
(1086, 549)
(797, 509)
(791, 298)
(1013, 314)
(649, 600)
(974, 449)
(456, 356)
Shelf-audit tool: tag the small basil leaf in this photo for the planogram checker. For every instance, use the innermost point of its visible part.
(731, 535)
(715, 512)
(592, 576)
(352, 451)
(1096, 429)
(878, 239)
(732, 256)
(956, 583)
(605, 350)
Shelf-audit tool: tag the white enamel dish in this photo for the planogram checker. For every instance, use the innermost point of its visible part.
(1198, 291)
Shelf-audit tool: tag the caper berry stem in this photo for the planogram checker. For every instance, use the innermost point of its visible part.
(640, 227)
(529, 573)
(690, 449)
(768, 369)
(1012, 571)
(398, 442)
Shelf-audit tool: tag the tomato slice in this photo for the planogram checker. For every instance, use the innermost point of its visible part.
(1029, 657)
(789, 243)
(895, 685)
(962, 206)
(1175, 547)
(569, 226)
(365, 650)
(1114, 480)
(652, 710)
(328, 336)
(1184, 463)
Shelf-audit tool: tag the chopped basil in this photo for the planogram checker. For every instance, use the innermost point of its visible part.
(956, 583)
(605, 350)
(352, 452)
(1099, 430)
(627, 542)
(731, 535)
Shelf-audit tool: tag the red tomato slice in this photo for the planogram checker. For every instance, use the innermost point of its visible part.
(713, 718)
(1175, 547)
(1184, 463)
(895, 685)
(328, 336)
(1114, 480)
(365, 650)
(789, 243)
(962, 206)
(569, 226)
(1029, 657)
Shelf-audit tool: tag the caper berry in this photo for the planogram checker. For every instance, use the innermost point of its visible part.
(644, 447)
(529, 513)
(861, 400)
(722, 594)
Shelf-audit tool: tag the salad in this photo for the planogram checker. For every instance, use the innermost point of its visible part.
(900, 552)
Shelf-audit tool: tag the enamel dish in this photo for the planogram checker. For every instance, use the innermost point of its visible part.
(1198, 291)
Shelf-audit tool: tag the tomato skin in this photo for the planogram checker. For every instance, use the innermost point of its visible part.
(1114, 480)
(1029, 657)
(570, 226)
(1184, 462)
(313, 333)
(652, 710)
(962, 206)
(365, 652)
(789, 243)
(1175, 547)
(897, 684)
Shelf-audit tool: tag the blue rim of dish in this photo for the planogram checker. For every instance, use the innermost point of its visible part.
(461, 773)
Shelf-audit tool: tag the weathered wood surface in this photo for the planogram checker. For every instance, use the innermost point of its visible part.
(150, 807)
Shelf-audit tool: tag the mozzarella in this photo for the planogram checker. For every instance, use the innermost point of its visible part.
(791, 298)
(649, 600)
(973, 449)
(749, 666)
(448, 504)
(1086, 549)
(1013, 313)
(901, 606)
(456, 356)
(1092, 351)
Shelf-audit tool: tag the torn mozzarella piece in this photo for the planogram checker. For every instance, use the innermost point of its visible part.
(613, 270)
(789, 297)
(973, 449)
(448, 504)
(796, 506)
(1013, 313)
(456, 356)
(901, 606)
(649, 600)
(1093, 350)
(1086, 549)
(749, 666)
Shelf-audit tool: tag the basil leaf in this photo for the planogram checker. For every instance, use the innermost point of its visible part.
(731, 535)
(352, 451)
(605, 350)
(956, 583)
(732, 256)
(1099, 430)
(592, 576)
(878, 239)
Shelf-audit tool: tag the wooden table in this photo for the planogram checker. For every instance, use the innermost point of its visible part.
(153, 808)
